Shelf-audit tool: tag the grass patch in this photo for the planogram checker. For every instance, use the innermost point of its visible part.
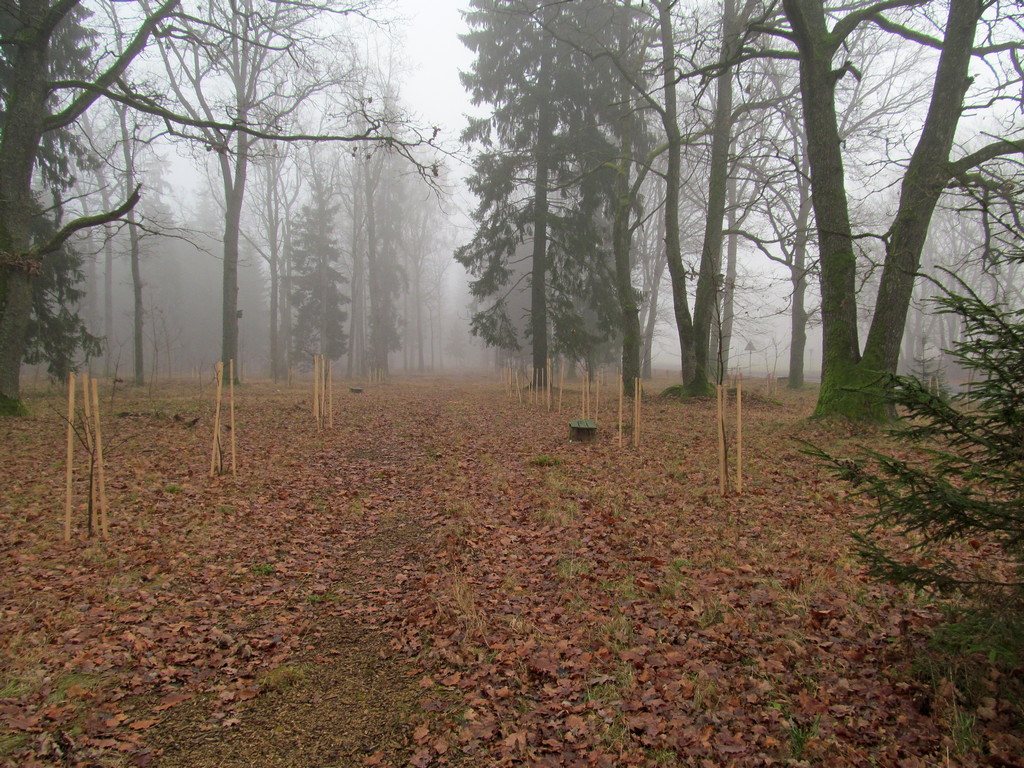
(571, 568)
(264, 569)
(283, 677)
(800, 735)
(72, 686)
(543, 460)
(14, 688)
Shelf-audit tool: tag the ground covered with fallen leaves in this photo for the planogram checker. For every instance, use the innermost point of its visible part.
(442, 578)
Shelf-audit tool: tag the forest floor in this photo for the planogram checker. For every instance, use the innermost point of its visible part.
(442, 578)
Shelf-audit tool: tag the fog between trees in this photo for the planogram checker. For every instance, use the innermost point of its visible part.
(694, 186)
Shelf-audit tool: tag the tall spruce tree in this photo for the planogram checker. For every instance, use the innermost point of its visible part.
(319, 324)
(533, 177)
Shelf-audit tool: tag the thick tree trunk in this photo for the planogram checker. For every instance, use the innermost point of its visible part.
(674, 141)
(798, 279)
(923, 184)
(538, 273)
(234, 178)
(709, 277)
(848, 381)
(22, 129)
(841, 349)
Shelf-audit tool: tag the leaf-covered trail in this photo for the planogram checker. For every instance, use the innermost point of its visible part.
(444, 579)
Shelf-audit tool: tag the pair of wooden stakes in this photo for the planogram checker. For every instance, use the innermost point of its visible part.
(93, 438)
(323, 392)
(217, 454)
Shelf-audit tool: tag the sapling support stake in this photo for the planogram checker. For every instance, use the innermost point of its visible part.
(316, 390)
(561, 383)
(621, 387)
(99, 458)
(330, 394)
(720, 426)
(547, 382)
(231, 406)
(216, 460)
(636, 412)
(91, 445)
(739, 434)
(70, 457)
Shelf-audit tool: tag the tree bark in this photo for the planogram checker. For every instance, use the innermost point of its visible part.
(709, 279)
(841, 348)
(923, 184)
(674, 141)
(538, 273)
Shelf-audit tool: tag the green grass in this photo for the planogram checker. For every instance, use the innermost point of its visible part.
(543, 460)
(264, 569)
(800, 735)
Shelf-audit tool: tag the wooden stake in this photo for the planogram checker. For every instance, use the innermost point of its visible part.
(720, 425)
(70, 457)
(99, 459)
(636, 412)
(316, 390)
(621, 387)
(561, 382)
(231, 406)
(597, 397)
(583, 397)
(547, 382)
(739, 434)
(88, 411)
(330, 394)
(86, 400)
(216, 465)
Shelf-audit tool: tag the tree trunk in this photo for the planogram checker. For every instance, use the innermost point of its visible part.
(674, 141)
(840, 350)
(798, 279)
(538, 274)
(134, 252)
(923, 184)
(22, 130)
(709, 279)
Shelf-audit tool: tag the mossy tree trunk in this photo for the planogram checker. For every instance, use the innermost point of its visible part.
(848, 378)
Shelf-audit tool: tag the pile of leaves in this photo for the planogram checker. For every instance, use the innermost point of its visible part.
(443, 579)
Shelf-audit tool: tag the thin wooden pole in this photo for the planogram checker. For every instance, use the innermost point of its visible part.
(583, 396)
(720, 425)
(561, 383)
(68, 489)
(547, 382)
(88, 411)
(99, 459)
(739, 435)
(621, 387)
(86, 400)
(330, 394)
(636, 413)
(597, 397)
(231, 405)
(215, 457)
(316, 390)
